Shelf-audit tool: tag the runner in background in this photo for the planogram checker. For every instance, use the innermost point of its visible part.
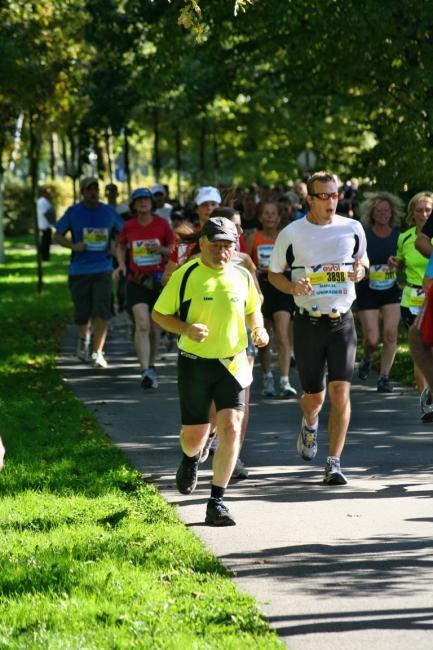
(277, 307)
(90, 224)
(206, 200)
(149, 240)
(414, 265)
(378, 296)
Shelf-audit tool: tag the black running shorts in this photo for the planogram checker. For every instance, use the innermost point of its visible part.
(201, 381)
(91, 295)
(367, 298)
(321, 345)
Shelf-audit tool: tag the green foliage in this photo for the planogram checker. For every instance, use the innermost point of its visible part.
(244, 86)
(18, 204)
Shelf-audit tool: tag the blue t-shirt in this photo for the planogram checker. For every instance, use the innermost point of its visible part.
(429, 269)
(94, 226)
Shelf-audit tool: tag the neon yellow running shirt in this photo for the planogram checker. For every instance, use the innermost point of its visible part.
(414, 263)
(217, 298)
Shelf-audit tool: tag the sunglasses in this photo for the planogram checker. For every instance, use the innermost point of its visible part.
(324, 196)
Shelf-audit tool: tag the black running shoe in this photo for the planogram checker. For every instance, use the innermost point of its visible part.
(364, 368)
(217, 514)
(186, 475)
(384, 385)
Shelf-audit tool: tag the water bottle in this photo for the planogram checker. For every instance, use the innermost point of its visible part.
(315, 312)
(334, 313)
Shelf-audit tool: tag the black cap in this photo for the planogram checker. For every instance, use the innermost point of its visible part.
(219, 229)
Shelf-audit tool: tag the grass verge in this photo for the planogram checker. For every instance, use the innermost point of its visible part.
(90, 555)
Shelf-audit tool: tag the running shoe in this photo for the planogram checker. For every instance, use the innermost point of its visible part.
(240, 471)
(217, 514)
(206, 448)
(286, 389)
(186, 475)
(268, 387)
(426, 401)
(149, 379)
(364, 368)
(333, 474)
(213, 445)
(384, 385)
(83, 349)
(98, 360)
(307, 442)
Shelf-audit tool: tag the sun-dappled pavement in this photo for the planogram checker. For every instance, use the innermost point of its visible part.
(329, 566)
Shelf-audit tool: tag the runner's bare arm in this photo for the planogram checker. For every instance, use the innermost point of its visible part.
(302, 286)
(68, 243)
(423, 245)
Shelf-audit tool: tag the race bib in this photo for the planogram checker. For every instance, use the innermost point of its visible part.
(96, 239)
(381, 277)
(264, 252)
(142, 255)
(240, 368)
(414, 297)
(328, 279)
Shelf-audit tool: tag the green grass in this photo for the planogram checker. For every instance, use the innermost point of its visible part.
(90, 555)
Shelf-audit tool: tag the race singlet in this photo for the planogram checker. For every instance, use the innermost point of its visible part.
(142, 255)
(328, 279)
(414, 297)
(96, 239)
(381, 277)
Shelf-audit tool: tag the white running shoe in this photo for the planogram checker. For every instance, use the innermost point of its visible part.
(286, 389)
(98, 360)
(307, 442)
(268, 387)
(426, 401)
(333, 474)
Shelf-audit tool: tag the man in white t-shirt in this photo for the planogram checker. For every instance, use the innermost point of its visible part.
(46, 219)
(327, 255)
(162, 208)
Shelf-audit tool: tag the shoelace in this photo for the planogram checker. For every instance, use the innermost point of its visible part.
(309, 438)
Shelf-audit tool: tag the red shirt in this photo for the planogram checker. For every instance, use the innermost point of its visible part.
(138, 238)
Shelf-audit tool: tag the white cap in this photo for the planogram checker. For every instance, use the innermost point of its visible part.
(207, 194)
(158, 189)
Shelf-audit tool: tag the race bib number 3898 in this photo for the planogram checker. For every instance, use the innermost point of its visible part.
(327, 279)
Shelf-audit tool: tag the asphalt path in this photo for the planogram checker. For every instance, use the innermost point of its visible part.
(344, 567)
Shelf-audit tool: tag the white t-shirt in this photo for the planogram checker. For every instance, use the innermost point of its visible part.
(324, 254)
(43, 206)
(165, 212)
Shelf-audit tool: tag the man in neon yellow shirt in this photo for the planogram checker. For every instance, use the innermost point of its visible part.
(208, 302)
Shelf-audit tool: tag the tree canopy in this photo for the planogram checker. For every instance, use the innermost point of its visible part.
(228, 90)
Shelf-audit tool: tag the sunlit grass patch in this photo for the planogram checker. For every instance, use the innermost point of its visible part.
(90, 555)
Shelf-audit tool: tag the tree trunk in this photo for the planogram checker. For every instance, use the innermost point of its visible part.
(126, 159)
(53, 156)
(109, 148)
(156, 151)
(178, 161)
(2, 190)
(34, 151)
(64, 156)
